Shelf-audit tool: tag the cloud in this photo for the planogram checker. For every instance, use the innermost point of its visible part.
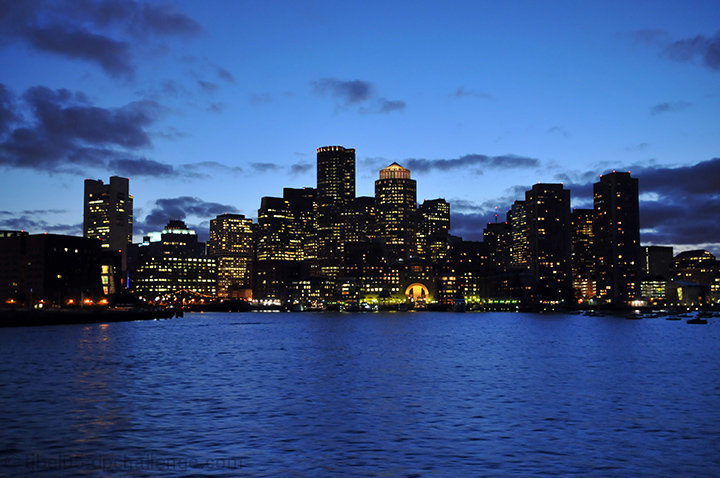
(559, 131)
(64, 132)
(300, 168)
(633, 148)
(180, 208)
(28, 221)
(705, 49)
(208, 86)
(263, 167)
(224, 74)
(141, 167)
(348, 92)
(666, 107)
(461, 92)
(508, 161)
(104, 32)
(387, 106)
(8, 116)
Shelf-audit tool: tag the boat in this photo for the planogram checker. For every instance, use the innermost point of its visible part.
(696, 320)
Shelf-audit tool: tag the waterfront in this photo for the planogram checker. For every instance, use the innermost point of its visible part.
(382, 394)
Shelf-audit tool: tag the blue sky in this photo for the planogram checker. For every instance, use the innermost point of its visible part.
(208, 106)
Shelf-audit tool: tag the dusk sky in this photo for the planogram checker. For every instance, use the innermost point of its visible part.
(208, 106)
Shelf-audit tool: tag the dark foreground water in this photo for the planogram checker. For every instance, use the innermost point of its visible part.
(424, 394)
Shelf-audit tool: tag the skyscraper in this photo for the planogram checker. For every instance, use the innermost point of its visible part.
(231, 244)
(396, 210)
(582, 258)
(108, 214)
(617, 238)
(548, 213)
(335, 191)
(335, 175)
(433, 230)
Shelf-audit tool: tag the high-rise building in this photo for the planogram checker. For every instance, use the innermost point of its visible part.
(548, 213)
(617, 238)
(582, 258)
(335, 191)
(433, 230)
(231, 244)
(335, 175)
(108, 214)
(396, 209)
(520, 236)
(656, 261)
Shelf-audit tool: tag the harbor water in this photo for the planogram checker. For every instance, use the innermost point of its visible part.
(365, 394)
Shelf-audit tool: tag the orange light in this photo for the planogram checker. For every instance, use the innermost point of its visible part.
(87, 301)
(70, 302)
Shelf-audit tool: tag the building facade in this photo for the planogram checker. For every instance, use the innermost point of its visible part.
(231, 244)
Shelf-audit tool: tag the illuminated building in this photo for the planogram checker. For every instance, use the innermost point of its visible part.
(335, 191)
(498, 237)
(656, 262)
(108, 214)
(285, 227)
(231, 244)
(359, 219)
(548, 213)
(701, 268)
(396, 203)
(173, 263)
(433, 230)
(335, 175)
(582, 259)
(617, 238)
(520, 236)
(39, 270)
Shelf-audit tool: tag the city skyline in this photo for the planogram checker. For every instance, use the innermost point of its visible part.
(502, 96)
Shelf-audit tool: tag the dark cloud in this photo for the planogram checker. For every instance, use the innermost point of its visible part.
(263, 167)
(468, 225)
(8, 115)
(705, 49)
(667, 107)
(141, 167)
(348, 92)
(225, 75)
(461, 92)
(180, 208)
(559, 131)
(300, 168)
(387, 106)
(208, 86)
(28, 221)
(508, 161)
(66, 133)
(104, 32)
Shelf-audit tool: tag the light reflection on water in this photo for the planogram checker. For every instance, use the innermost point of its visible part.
(364, 394)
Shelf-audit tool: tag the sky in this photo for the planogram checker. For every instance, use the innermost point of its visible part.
(209, 106)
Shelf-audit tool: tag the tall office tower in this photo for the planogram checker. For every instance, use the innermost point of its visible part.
(498, 237)
(396, 206)
(284, 227)
(335, 175)
(617, 238)
(335, 191)
(548, 212)
(520, 236)
(359, 217)
(433, 230)
(582, 258)
(108, 214)
(231, 244)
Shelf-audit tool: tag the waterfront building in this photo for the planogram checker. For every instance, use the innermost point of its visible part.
(498, 237)
(396, 205)
(172, 264)
(582, 258)
(656, 261)
(40, 270)
(433, 230)
(231, 244)
(108, 214)
(548, 213)
(617, 238)
(698, 267)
